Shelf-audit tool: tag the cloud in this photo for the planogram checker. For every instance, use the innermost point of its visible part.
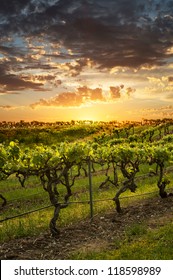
(45, 43)
(162, 86)
(170, 79)
(12, 82)
(7, 107)
(84, 96)
(129, 39)
(115, 92)
(43, 78)
(5, 50)
(75, 67)
(130, 91)
(118, 91)
(164, 111)
(167, 107)
(46, 78)
(65, 99)
(109, 33)
(91, 94)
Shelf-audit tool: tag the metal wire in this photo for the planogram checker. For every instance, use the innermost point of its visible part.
(77, 202)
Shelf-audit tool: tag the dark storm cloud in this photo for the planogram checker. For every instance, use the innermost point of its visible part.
(11, 82)
(125, 33)
(12, 6)
(7, 50)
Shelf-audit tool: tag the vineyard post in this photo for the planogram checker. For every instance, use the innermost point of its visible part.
(90, 188)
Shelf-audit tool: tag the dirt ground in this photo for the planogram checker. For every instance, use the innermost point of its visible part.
(85, 235)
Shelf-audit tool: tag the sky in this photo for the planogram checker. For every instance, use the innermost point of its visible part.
(100, 60)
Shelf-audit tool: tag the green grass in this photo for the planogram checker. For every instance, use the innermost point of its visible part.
(29, 225)
(33, 197)
(38, 222)
(138, 243)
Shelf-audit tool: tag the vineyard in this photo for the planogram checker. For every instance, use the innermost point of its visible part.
(96, 164)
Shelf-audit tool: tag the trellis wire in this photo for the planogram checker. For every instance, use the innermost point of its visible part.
(76, 202)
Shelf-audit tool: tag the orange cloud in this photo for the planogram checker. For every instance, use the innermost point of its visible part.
(7, 107)
(115, 92)
(83, 95)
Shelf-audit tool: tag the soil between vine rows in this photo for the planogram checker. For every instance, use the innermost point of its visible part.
(101, 233)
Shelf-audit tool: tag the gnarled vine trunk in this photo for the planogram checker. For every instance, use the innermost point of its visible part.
(4, 200)
(128, 184)
(162, 183)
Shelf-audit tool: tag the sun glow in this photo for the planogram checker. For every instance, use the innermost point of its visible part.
(87, 117)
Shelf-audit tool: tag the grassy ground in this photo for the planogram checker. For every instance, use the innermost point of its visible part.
(140, 241)
(33, 197)
(142, 231)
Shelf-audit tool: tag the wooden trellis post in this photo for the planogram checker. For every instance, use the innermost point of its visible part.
(90, 189)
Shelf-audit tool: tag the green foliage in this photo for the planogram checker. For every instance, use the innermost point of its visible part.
(55, 163)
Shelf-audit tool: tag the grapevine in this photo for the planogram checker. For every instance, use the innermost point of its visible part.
(63, 163)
